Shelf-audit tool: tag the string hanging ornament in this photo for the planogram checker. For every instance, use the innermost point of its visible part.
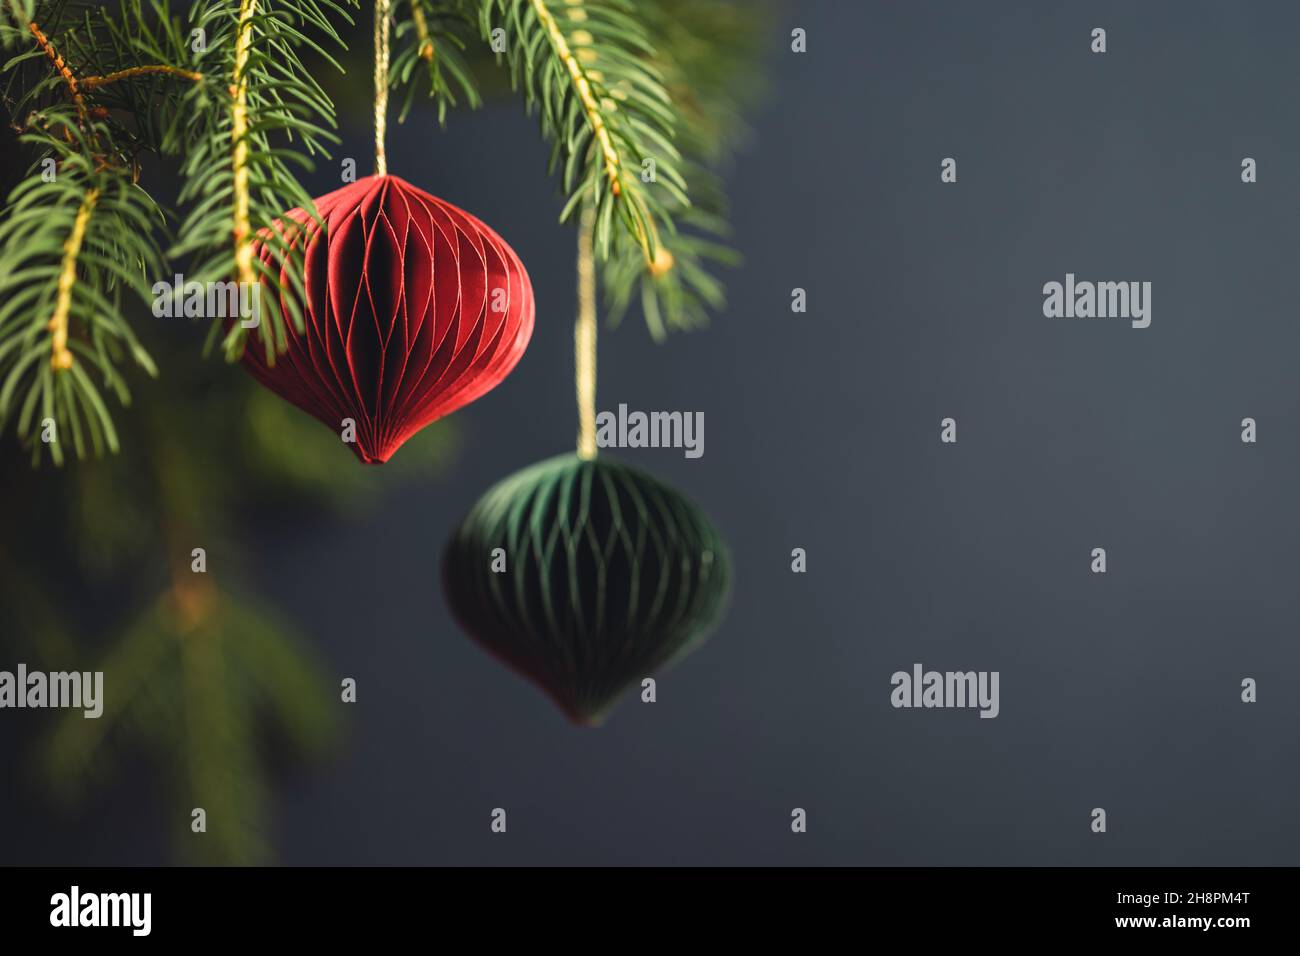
(584, 574)
(412, 307)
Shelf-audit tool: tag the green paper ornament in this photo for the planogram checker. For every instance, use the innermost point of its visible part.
(586, 576)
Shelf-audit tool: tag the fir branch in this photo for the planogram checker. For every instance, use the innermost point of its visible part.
(238, 182)
(590, 68)
(582, 84)
(192, 683)
(89, 61)
(77, 239)
(77, 236)
(138, 65)
(61, 358)
(430, 39)
(91, 82)
(708, 53)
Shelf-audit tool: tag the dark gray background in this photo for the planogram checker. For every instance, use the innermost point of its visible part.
(1117, 690)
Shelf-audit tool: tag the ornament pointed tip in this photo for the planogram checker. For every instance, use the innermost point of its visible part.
(376, 458)
(582, 717)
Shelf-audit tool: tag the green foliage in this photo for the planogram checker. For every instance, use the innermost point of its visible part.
(290, 119)
(587, 69)
(150, 113)
(430, 40)
(202, 674)
(188, 682)
(78, 227)
(14, 17)
(665, 81)
(115, 259)
(708, 53)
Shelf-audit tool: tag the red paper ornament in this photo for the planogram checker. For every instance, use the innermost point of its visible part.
(413, 308)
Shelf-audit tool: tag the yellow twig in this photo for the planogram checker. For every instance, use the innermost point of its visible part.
(92, 82)
(60, 355)
(61, 65)
(584, 335)
(647, 237)
(422, 31)
(239, 136)
(583, 86)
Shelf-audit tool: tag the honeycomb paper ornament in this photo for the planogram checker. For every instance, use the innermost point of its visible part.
(604, 575)
(413, 308)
